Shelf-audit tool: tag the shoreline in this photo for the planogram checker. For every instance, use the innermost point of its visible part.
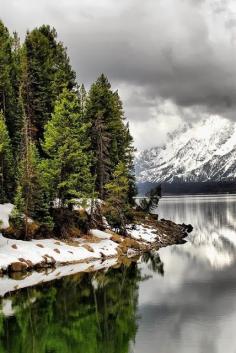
(27, 263)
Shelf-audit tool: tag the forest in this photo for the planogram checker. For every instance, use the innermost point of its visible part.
(62, 149)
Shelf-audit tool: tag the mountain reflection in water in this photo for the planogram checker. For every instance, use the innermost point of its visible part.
(192, 309)
(214, 220)
(181, 299)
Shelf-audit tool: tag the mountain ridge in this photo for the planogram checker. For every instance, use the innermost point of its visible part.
(197, 152)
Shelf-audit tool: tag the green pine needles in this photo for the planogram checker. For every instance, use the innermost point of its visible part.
(59, 145)
(67, 168)
(7, 184)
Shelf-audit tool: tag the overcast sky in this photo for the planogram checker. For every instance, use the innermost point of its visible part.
(172, 60)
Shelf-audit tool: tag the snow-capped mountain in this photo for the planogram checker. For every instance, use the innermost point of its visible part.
(197, 152)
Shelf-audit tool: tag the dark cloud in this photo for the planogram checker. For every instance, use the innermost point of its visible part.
(179, 50)
(171, 55)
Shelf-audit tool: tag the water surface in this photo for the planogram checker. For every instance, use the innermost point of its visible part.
(182, 299)
(192, 308)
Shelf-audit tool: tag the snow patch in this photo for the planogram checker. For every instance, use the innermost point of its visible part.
(5, 211)
(143, 233)
(51, 250)
(100, 234)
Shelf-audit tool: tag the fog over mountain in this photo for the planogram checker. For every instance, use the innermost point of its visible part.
(172, 60)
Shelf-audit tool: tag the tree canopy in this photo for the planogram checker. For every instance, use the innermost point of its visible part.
(58, 143)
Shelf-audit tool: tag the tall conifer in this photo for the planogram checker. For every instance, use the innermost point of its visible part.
(67, 168)
(49, 71)
(8, 82)
(6, 163)
(31, 199)
(111, 140)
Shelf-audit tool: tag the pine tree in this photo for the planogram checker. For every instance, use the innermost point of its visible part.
(118, 187)
(31, 199)
(128, 159)
(82, 98)
(67, 169)
(67, 144)
(111, 141)
(101, 141)
(16, 83)
(124, 151)
(8, 81)
(49, 71)
(99, 110)
(6, 163)
(117, 198)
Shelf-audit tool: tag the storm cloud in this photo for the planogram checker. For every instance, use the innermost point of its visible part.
(170, 59)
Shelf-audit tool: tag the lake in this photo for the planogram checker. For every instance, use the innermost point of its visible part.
(181, 299)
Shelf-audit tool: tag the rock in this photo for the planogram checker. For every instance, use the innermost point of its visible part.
(18, 267)
(40, 245)
(19, 276)
(189, 228)
(50, 260)
(21, 259)
(88, 247)
(103, 256)
(42, 264)
(132, 253)
(28, 262)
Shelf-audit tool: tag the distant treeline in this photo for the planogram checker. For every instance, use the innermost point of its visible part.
(57, 142)
(189, 188)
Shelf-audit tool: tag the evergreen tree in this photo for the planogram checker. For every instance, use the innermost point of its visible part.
(6, 163)
(128, 159)
(67, 169)
(31, 199)
(8, 81)
(82, 97)
(108, 130)
(16, 83)
(123, 142)
(101, 141)
(117, 198)
(98, 113)
(49, 71)
(67, 144)
(151, 201)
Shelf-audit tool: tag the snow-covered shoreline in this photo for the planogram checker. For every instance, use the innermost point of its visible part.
(99, 249)
(40, 261)
(10, 284)
(19, 255)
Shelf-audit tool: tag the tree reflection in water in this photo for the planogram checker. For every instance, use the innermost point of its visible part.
(84, 313)
(153, 260)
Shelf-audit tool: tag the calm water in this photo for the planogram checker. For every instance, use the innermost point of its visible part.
(182, 299)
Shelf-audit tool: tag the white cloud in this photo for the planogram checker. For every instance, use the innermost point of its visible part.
(163, 119)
